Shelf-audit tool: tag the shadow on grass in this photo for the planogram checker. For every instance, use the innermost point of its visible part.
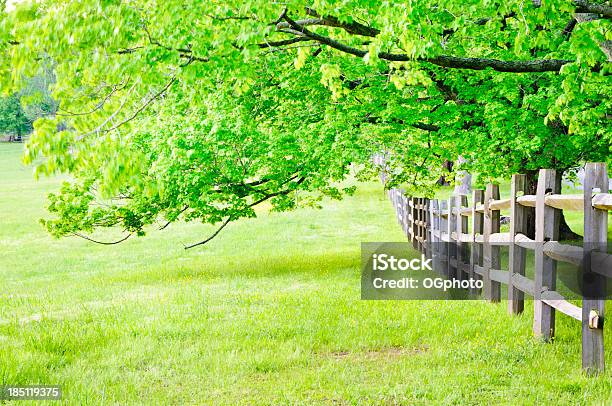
(244, 266)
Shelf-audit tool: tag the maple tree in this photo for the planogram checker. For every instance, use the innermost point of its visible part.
(203, 110)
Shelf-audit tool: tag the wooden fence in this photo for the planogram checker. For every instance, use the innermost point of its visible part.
(463, 237)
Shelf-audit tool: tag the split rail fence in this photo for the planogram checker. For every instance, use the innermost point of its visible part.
(444, 230)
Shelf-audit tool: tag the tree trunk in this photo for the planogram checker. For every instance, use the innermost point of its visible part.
(565, 232)
(448, 166)
(463, 186)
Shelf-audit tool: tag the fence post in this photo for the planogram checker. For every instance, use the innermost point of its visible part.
(398, 206)
(547, 229)
(443, 242)
(423, 220)
(395, 202)
(476, 228)
(410, 220)
(420, 208)
(451, 247)
(405, 215)
(418, 223)
(426, 228)
(435, 221)
(462, 227)
(413, 223)
(594, 284)
(516, 260)
(492, 259)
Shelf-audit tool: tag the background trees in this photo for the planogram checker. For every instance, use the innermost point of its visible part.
(19, 110)
(206, 110)
(13, 120)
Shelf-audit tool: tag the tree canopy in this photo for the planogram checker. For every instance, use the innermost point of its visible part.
(202, 110)
(13, 120)
(19, 110)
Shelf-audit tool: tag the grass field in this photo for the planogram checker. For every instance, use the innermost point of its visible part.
(267, 313)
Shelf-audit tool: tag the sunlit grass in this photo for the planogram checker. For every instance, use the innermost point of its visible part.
(267, 313)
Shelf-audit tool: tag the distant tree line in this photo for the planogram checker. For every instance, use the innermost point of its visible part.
(19, 110)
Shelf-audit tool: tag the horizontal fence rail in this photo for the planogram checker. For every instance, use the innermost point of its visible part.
(476, 220)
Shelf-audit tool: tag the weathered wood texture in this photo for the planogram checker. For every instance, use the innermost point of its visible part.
(451, 226)
(547, 229)
(491, 256)
(594, 284)
(517, 254)
(463, 247)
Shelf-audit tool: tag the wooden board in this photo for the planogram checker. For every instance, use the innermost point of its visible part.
(595, 238)
(547, 228)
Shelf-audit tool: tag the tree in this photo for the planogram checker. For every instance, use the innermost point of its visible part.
(19, 110)
(35, 97)
(204, 110)
(13, 120)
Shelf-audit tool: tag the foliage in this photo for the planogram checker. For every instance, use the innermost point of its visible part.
(13, 119)
(35, 96)
(205, 109)
(19, 110)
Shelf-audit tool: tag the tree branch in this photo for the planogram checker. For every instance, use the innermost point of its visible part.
(353, 27)
(183, 210)
(302, 23)
(255, 203)
(213, 235)
(538, 65)
(544, 65)
(418, 125)
(280, 192)
(271, 44)
(98, 106)
(101, 242)
(183, 52)
(144, 106)
(569, 27)
(230, 18)
(109, 118)
(584, 6)
(425, 126)
(129, 50)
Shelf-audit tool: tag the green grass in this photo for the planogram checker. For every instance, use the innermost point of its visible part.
(267, 313)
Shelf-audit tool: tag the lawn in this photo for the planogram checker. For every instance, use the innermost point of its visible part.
(268, 313)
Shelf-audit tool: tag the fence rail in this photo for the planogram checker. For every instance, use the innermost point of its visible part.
(428, 224)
